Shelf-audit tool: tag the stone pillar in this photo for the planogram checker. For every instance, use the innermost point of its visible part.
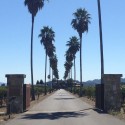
(15, 92)
(112, 92)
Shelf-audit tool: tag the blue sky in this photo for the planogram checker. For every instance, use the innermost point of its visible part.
(15, 29)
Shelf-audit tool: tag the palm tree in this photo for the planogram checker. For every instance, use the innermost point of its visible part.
(33, 7)
(74, 47)
(47, 37)
(80, 23)
(69, 56)
(51, 52)
(69, 59)
(53, 64)
(54, 67)
(101, 41)
(68, 63)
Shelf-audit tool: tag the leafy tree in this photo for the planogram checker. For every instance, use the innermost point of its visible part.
(80, 23)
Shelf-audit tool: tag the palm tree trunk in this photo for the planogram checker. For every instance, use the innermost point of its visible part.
(101, 41)
(71, 80)
(50, 76)
(45, 71)
(74, 69)
(74, 73)
(71, 72)
(32, 90)
(80, 65)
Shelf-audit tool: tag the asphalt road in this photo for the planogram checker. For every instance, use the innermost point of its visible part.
(62, 108)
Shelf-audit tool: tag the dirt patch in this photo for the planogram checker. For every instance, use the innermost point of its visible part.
(89, 101)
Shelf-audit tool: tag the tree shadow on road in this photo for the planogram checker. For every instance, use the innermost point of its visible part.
(63, 98)
(95, 109)
(54, 115)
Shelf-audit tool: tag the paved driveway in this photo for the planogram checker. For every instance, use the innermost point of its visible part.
(62, 108)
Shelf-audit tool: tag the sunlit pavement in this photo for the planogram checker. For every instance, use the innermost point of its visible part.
(62, 108)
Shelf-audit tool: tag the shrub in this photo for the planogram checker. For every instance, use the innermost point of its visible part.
(3, 92)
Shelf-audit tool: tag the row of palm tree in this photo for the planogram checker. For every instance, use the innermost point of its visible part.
(47, 38)
(80, 23)
(33, 7)
(74, 46)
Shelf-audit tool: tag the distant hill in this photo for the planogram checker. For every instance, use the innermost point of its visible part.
(92, 82)
(97, 81)
(89, 82)
(2, 83)
(123, 80)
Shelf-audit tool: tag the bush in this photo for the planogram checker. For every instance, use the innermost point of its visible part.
(123, 93)
(39, 90)
(3, 92)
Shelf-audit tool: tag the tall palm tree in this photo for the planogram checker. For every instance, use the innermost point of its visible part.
(53, 63)
(47, 37)
(51, 52)
(68, 64)
(69, 59)
(33, 7)
(80, 23)
(101, 41)
(74, 47)
(54, 67)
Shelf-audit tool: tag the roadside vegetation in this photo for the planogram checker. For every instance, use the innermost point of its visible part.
(89, 93)
(39, 89)
(3, 95)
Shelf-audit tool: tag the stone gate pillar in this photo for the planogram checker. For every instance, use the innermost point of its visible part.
(15, 92)
(112, 92)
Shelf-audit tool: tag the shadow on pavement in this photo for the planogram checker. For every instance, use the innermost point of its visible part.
(99, 111)
(95, 109)
(63, 98)
(87, 109)
(54, 115)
